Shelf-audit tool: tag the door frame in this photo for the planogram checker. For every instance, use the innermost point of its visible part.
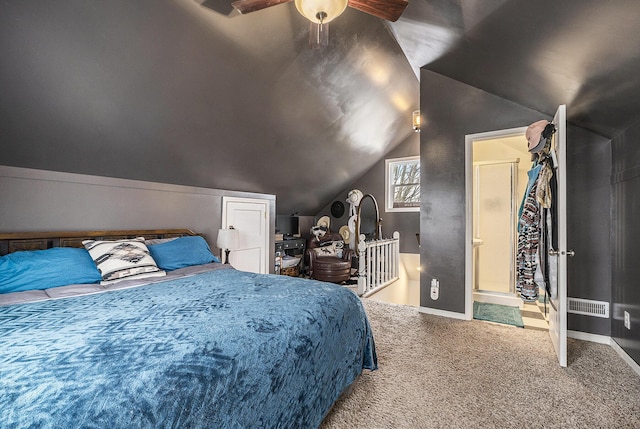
(266, 266)
(468, 248)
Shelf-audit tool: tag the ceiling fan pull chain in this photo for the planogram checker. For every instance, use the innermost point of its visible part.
(319, 32)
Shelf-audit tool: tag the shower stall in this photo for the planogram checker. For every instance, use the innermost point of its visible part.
(495, 214)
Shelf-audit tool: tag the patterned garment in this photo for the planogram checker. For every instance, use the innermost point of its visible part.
(543, 193)
(528, 243)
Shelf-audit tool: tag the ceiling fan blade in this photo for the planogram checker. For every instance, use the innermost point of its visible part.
(221, 6)
(385, 9)
(248, 6)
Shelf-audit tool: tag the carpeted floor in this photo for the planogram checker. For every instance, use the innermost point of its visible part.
(437, 372)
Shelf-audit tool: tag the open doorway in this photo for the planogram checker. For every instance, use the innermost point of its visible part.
(497, 166)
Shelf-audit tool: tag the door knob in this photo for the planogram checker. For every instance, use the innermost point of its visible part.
(553, 252)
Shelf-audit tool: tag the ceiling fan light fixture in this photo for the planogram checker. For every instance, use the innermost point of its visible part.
(321, 11)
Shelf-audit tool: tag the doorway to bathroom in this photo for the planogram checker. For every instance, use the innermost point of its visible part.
(556, 250)
(498, 164)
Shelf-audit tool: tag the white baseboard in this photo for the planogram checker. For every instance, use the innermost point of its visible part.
(625, 356)
(444, 313)
(585, 336)
(603, 339)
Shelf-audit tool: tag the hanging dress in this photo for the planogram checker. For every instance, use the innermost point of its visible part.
(527, 247)
(532, 270)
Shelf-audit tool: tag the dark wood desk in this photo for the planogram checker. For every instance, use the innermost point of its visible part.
(292, 247)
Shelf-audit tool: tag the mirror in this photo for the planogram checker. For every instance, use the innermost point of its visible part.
(368, 220)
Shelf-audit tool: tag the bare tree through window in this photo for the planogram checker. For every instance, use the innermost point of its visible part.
(404, 183)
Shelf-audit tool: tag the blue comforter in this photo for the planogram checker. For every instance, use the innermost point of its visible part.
(224, 349)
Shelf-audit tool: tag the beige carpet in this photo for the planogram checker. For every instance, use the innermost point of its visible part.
(436, 372)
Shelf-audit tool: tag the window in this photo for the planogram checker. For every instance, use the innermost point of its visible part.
(403, 184)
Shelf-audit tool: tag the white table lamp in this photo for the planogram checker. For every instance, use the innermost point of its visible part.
(227, 241)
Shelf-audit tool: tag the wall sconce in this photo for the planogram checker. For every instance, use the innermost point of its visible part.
(416, 121)
(227, 240)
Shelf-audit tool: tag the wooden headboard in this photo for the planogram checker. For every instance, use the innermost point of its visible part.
(16, 241)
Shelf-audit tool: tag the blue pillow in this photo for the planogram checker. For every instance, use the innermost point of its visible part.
(182, 252)
(44, 269)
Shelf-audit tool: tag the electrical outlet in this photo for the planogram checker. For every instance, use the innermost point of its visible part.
(627, 320)
(435, 289)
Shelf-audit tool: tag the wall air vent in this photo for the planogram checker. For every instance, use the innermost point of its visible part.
(588, 307)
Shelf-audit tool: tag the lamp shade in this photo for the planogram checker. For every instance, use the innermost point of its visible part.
(227, 239)
(321, 11)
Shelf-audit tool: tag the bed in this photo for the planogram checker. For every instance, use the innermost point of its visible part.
(203, 345)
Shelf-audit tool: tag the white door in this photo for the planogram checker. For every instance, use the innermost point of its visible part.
(558, 256)
(251, 218)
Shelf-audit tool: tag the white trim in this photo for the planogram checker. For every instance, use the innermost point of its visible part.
(265, 244)
(498, 161)
(497, 134)
(444, 313)
(603, 339)
(585, 336)
(387, 186)
(558, 297)
(625, 356)
(379, 288)
(107, 203)
(105, 181)
(468, 251)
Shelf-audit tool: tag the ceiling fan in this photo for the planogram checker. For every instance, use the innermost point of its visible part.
(321, 12)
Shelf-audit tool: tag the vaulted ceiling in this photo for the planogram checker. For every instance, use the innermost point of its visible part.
(583, 53)
(181, 92)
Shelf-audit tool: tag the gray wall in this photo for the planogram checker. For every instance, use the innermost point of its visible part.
(452, 110)
(589, 224)
(626, 240)
(373, 182)
(39, 200)
(172, 92)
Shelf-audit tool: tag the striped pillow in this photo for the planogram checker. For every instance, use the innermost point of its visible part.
(122, 259)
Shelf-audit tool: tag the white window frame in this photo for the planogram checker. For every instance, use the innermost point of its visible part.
(389, 163)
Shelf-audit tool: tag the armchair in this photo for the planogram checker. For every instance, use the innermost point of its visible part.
(325, 262)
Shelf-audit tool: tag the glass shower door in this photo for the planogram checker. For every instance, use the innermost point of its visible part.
(494, 226)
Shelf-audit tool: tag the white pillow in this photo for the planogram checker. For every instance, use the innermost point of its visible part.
(335, 248)
(122, 259)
